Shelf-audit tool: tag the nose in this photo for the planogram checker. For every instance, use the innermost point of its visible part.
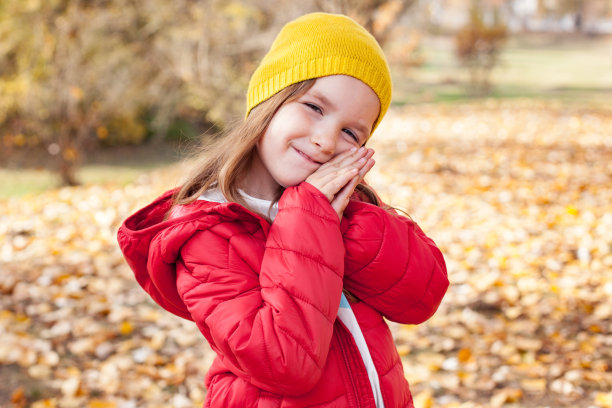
(325, 139)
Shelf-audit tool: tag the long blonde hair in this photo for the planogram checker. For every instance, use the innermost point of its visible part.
(225, 162)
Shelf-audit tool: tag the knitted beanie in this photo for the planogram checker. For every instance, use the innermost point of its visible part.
(317, 45)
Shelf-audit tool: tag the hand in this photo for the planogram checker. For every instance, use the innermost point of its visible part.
(337, 178)
(342, 198)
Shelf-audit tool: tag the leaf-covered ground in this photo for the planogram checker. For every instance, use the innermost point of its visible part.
(518, 196)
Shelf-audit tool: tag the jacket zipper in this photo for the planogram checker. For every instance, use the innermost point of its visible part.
(350, 360)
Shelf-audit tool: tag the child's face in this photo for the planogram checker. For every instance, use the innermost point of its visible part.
(335, 114)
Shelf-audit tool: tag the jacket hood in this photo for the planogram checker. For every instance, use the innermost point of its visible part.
(151, 242)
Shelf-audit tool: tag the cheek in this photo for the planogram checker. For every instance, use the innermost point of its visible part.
(344, 144)
(286, 119)
(265, 147)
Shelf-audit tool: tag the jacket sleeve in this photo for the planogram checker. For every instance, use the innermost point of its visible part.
(269, 319)
(391, 264)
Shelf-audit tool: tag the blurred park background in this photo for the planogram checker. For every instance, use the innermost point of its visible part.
(498, 143)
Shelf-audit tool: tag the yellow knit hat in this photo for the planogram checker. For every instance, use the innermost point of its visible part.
(317, 45)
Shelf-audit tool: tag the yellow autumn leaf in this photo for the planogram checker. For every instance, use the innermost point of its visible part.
(464, 355)
(97, 403)
(571, 210)
(45, 403)
(126, 328)
(102, 132)
(18, 396)
(423, 399)
(534, 384)
(70, 154)
(603, 400)
(19, 140)
(76, 93)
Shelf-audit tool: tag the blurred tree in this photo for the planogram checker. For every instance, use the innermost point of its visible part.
(210, 48)
(382, 18)
(76, 73)
(67, 70)
(477, 46)
(378, 16)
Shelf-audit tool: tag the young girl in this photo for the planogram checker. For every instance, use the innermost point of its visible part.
(283, 258)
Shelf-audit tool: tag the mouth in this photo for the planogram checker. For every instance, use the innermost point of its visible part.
(307, 157)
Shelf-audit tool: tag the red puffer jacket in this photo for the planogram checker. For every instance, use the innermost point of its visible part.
(266, 296)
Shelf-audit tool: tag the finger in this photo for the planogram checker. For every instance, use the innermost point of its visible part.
(354, 157)
(338, 158)
(360, 160)
(332, 178)
(342, 199)
(366, 162)
(332, 182)
(366, 168)
(346, 158)
(345, 193)
(326, 176)
(327, 173)
(336, 182)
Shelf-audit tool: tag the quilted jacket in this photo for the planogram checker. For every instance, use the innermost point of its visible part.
(266, 296)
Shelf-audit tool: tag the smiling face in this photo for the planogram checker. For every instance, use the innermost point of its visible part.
(335, 114)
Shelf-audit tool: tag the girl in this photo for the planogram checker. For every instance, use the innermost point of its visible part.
(285, 261)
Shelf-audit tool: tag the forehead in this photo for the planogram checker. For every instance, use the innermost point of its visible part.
(348, 93)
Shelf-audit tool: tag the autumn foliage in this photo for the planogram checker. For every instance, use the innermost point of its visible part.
(75, 75)
(517, 195)
(478, 45)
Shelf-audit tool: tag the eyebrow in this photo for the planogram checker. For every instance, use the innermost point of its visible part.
(323, 99)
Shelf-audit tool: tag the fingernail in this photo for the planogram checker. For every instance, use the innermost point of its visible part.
(353, 149)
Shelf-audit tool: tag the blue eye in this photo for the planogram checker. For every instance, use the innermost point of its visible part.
(313, 107)
(351, 134)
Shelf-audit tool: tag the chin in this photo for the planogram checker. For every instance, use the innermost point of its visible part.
(290, 180)
(290, 183)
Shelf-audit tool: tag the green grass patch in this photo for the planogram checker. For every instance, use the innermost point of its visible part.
(117, 166)
(22, 182)
(573, 70)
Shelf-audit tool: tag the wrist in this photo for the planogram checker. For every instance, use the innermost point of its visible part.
(307, 197)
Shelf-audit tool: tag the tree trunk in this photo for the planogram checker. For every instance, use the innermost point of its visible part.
(67, 172)
(68, 155)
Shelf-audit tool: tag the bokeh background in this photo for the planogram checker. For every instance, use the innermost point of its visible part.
(498, 143)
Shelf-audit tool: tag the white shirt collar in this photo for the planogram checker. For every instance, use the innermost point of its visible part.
(260, 206)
